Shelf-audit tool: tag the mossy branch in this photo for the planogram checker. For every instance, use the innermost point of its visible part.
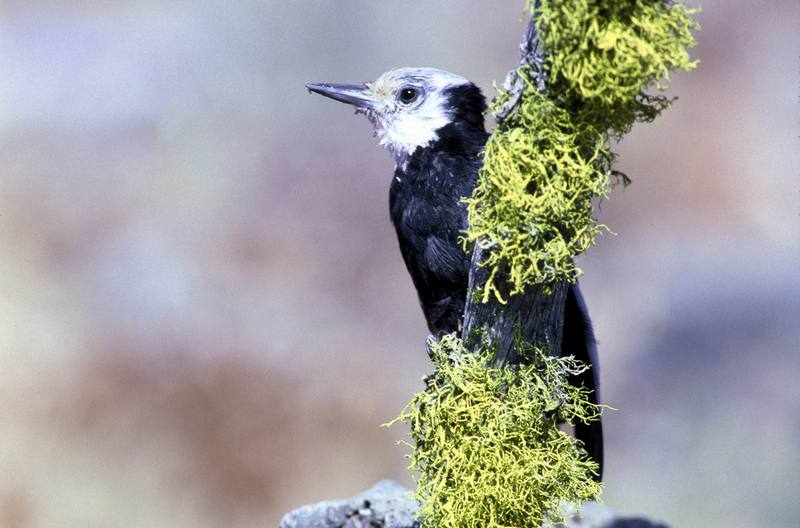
(537, 315)
(549, 159)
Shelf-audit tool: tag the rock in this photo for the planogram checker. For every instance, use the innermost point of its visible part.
(387, 504)
(635, 522)
(595, 515)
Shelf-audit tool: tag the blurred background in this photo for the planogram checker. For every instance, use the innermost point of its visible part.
(204, 316)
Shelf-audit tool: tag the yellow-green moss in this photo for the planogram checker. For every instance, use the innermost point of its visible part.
(603, 56)
(547, 162)
(532, 207)
(488, 450)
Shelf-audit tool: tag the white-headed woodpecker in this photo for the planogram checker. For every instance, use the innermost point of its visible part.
(432, 121)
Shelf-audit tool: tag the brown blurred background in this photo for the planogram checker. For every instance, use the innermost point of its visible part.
(204, 317)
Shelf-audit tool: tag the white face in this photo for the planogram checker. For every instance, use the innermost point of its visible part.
(409, 107)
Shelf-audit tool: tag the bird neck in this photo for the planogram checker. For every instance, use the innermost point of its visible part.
(454, 142)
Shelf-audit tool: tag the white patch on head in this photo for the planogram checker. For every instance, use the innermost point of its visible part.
(402, 128)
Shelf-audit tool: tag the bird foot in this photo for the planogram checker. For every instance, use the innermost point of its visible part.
(429, 342)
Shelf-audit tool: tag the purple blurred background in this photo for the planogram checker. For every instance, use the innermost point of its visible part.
(204, 317)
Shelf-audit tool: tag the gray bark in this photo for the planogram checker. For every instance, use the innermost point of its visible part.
(535, 316)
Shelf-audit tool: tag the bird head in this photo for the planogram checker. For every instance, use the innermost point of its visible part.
(409, 106)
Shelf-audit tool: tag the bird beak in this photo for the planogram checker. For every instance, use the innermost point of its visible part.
(357, 95)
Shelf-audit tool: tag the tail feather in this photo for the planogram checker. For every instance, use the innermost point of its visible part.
(579, 341)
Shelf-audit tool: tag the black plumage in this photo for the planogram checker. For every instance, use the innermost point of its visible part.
(426, 209)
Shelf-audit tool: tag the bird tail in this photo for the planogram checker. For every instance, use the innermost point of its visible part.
(591, 435)
(579, 341)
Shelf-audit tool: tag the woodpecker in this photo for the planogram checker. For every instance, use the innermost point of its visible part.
(432, 122)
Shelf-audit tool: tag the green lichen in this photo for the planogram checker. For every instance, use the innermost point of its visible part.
(532, 207)
(549, 161)
(488, 449)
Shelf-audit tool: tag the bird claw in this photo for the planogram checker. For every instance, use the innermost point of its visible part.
(430, 341)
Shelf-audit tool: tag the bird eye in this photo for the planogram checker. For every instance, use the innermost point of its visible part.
(408, 95)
